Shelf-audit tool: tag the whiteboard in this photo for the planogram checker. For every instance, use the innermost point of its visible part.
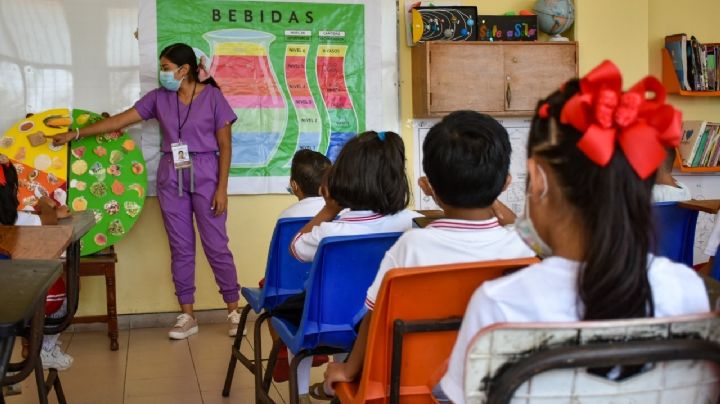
(514, 195)
(701, 186)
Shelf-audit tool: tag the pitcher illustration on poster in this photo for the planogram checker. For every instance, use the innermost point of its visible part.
(241, 66)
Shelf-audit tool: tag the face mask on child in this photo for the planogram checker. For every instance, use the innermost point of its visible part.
(168, 80)
(525, 228)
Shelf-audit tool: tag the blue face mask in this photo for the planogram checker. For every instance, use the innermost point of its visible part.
(526, 229)
(168, 80)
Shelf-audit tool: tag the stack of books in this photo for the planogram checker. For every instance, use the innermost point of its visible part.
(696, 64)
(700, 145)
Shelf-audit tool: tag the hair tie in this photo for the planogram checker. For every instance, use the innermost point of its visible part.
(606, 116)
(544, 111)
(381, 135)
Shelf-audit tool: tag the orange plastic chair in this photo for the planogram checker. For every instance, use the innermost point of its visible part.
(413, 329)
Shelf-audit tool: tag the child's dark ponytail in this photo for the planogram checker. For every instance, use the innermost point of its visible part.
(615, 206)
(8, 195)
(369, 174)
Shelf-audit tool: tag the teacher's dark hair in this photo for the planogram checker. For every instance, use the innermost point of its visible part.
(9, 196)
(615, 207)
(181, 54)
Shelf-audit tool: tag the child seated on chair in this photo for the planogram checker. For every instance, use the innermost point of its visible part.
(712, 246)
(55, 303)
(307, 170)
(367, 187)
(591, 167)
(667, 188)
(466, 159)
(306, 174)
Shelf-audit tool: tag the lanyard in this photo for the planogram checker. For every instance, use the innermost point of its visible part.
(177, 97)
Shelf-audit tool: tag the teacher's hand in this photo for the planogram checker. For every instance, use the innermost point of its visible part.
(62, 138)
(219, 202)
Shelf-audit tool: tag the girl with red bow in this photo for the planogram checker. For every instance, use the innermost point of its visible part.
(593, 151)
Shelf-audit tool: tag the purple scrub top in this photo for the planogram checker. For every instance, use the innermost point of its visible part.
(210, 112)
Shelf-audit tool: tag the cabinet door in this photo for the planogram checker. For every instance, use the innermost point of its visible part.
(463, 76)
(533, 72)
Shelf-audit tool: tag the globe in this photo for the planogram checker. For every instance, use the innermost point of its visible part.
(554, 17)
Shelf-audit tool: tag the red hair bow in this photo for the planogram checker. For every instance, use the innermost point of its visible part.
(643, 127)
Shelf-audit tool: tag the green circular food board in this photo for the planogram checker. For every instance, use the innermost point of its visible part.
(107, 177)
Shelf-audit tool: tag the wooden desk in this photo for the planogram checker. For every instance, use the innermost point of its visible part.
(23, 286)
(81, 223)
(707, 205)
(34, 242)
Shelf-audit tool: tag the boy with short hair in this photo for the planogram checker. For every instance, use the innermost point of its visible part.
(466, 158)
(306, 174)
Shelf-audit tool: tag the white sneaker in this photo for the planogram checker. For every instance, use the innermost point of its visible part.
(55, 359)
(234, 319)
(184, 327)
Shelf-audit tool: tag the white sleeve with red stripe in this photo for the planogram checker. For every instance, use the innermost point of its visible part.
(387, 264)
(305, 245)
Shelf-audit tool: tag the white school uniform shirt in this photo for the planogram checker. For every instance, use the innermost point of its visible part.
(449, 241)
(307, 207)
(714, 240)
(27, 219)
(547, 291)
(669, 193)
(350, 223)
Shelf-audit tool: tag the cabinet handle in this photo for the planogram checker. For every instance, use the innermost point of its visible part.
(508, 95)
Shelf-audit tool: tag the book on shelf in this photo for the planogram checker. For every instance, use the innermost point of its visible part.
(696, 65)
(700, 144)
(677, 47)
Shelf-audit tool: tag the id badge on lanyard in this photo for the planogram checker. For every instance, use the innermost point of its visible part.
(181, 155)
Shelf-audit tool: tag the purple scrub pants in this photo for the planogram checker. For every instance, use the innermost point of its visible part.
(177, 214)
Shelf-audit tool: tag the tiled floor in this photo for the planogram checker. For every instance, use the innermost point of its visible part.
(150, 368)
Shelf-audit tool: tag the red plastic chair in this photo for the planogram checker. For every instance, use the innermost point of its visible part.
(414, 327)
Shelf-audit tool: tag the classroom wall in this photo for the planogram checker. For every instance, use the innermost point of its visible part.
(144, 283)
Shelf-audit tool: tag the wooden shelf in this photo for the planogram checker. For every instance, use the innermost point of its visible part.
(672, 83)
(683, 169)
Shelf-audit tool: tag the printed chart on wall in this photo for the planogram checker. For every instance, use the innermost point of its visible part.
(294, 73)
(514, 196)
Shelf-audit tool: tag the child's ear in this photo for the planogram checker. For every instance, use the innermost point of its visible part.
(426, 187)
(508, 180)
(537, 181)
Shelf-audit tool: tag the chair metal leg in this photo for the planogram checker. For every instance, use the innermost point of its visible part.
(53, 382)
(40, 382)
(261, 395)
(272, 361)
(293, 382)
(235, 353)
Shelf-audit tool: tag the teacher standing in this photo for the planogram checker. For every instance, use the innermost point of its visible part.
(192, 176)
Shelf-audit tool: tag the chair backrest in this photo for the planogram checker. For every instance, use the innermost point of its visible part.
(430, 293)
(529, 362)
(675, 230)
(343, 270)
(284, 274)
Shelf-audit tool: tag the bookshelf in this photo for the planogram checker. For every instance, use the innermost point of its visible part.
(690, 170)
(671, 82)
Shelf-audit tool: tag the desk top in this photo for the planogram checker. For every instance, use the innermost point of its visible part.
(81, 223)
(708, 205)
(23, 283)
(34, 242)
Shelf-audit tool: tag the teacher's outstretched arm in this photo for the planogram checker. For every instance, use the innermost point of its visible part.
(225, 146)
(115, 122)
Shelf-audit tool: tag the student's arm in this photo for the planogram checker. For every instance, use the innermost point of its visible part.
(504, 214)
(327, 214)
(348, 371)
(220, 199)
(115, 122)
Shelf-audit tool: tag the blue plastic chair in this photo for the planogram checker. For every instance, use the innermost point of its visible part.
(675, 230)
(715, 270)
(284, 277)
(343, 269)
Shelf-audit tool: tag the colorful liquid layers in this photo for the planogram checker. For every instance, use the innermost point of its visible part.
(330, 67)
(308, 116)
(242, 68)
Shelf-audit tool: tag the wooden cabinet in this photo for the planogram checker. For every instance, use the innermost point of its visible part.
(499, 78)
